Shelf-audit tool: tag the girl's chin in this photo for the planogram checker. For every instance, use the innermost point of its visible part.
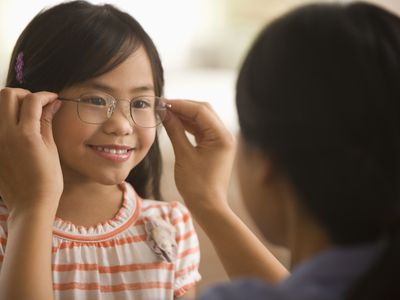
(111, 180)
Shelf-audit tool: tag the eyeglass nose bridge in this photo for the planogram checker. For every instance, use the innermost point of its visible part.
(111, 109)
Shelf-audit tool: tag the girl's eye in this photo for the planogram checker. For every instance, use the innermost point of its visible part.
(141, 104)
(94, 100)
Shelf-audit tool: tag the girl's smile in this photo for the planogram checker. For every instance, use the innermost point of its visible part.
(116, 153)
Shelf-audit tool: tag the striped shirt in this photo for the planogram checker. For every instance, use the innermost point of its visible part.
(118, 259)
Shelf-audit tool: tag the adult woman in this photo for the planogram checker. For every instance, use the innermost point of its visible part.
(318, 159)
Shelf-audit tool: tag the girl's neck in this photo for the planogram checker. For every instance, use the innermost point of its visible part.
(89, 203)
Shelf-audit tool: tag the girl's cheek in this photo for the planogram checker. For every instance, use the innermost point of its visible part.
(148, 137)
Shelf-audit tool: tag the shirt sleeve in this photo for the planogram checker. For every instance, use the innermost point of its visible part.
(188, 251)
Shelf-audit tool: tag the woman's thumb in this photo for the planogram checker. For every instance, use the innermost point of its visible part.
(176, 132)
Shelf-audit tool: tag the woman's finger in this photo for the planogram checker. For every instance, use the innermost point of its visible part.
(195, 111)
(10, 99)
(46, 121)
(32, 110)
(200, 115)
(176, 132)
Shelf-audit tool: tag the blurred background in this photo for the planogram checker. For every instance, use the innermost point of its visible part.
(201, 43)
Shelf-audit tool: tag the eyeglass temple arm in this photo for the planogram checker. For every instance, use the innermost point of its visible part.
(68, 99)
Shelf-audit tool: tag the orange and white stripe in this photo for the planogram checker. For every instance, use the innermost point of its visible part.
(113, 260)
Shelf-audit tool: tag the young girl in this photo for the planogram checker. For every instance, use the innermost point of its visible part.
(318, 159)
(107, 241)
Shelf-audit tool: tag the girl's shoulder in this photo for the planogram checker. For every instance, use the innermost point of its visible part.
(3, 206)
(153, 207)
(3, 212)
(174, 212)
(172, 236)
(3, 224)
(150, 207)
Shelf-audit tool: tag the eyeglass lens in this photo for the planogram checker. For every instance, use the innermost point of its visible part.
(146, 111)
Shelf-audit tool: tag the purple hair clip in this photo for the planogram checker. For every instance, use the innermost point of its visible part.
(19, 67)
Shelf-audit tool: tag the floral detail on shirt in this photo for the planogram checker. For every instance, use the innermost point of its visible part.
(161, 237)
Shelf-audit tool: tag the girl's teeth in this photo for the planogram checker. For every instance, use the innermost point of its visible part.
(112, 151)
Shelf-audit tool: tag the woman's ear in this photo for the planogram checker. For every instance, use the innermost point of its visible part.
(255, 162)
(264, 167)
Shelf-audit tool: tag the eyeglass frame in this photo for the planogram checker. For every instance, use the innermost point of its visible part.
(77, 100)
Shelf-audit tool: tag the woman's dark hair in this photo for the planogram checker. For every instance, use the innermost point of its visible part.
(319, 92)
(76, 41)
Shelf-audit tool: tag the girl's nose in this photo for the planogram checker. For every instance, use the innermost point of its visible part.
(120, 122)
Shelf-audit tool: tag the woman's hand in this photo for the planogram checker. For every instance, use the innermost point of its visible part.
(30, 172)
(202, 174)
(202, 171)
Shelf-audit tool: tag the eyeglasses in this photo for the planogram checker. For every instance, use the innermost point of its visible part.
(97, 108)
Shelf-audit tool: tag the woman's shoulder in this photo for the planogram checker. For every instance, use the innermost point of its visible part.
(242, 290)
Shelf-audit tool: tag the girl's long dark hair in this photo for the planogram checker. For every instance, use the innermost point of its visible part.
(75, 41)
(319, 92)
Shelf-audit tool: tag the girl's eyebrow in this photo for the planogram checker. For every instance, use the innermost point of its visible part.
(109, 89)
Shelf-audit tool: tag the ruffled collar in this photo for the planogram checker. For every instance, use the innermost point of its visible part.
(125, 217)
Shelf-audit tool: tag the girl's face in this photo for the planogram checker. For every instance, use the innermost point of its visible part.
(105, 153)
